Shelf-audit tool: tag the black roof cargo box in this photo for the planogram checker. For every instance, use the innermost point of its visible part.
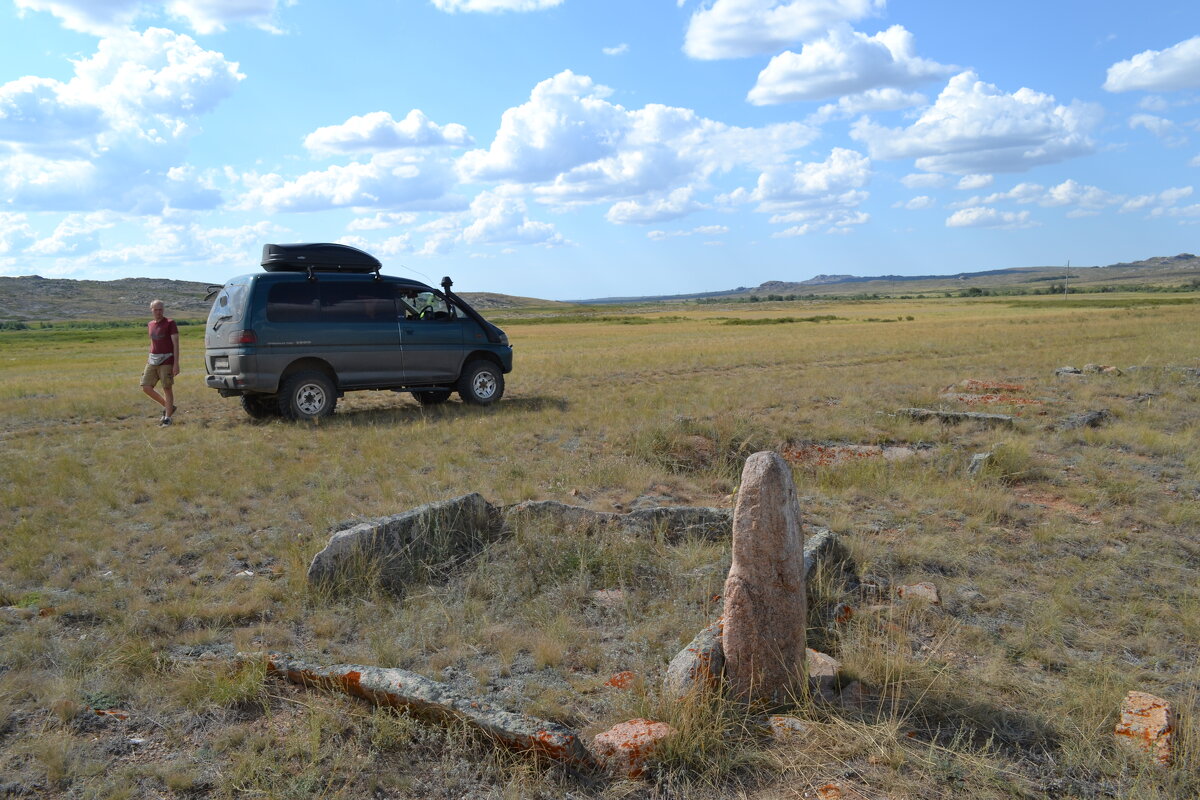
(320, 257)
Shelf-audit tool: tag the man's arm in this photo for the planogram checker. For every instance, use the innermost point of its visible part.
(175, 350)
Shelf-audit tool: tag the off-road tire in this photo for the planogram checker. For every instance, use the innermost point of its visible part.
(260, 406)
(481, 383)
(432, 398)
(307, 395)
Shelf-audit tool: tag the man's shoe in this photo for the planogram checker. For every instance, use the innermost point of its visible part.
(165, 422)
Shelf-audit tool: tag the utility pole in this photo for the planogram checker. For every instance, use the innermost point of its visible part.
(1066, 277)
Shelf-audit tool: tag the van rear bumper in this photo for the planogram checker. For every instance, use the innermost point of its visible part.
(226, 385)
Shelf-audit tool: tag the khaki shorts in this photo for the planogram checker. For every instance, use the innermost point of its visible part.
(156, 372)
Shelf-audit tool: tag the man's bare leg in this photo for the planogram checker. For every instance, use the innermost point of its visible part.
(168, 401)
(156, 397)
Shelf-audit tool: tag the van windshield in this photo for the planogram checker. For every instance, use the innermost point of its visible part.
(229, 306)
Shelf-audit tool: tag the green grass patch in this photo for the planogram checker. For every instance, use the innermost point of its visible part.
(779, 320)
(1102, 302)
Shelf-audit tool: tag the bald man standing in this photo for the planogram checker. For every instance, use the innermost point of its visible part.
(163, 363)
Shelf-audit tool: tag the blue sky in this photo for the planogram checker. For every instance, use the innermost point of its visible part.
(582, 148)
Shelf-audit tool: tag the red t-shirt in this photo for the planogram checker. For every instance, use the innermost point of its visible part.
(160, 337)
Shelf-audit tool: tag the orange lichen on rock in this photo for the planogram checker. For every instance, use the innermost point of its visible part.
(1147, 725)
(626, 748)
(621, 680)
(973, 385)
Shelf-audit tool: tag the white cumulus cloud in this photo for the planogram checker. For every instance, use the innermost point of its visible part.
(104, 17)
(114, 135)
(392, 180)
(1177, 67)
(494, 6)
(983, 217)
(616, 50)
(1161, 127)
(1156, 203)
(866, 102)
(924, 180)
(738, 28)
(969, 182)
(504, 220)
(674, 205)
(917, 203)
(973, 127)
(570, 145)
(812, 197)
(377, 132)
(845, 62)
(1083, 199)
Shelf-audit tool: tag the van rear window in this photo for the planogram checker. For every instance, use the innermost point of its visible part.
(324, 301)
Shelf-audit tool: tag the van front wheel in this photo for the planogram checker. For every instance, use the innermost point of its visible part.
(481, 383)
(307, 395)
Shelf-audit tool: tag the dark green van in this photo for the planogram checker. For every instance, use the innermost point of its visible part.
(321, 321)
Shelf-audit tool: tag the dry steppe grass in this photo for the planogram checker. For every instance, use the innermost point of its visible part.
(1068, 568)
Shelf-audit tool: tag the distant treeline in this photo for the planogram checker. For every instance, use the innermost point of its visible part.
(973, 291)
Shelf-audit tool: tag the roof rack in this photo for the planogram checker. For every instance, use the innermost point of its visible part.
(313, 257)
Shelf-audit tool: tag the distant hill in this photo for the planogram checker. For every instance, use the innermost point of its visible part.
(1161, 270)
(35, 299)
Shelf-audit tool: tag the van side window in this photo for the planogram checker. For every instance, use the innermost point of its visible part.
(360, 301)
(426, 306)
(327, 301)
(294, 302)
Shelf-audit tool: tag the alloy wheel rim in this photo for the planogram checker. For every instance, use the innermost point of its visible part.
(310, 398)
(485, 385)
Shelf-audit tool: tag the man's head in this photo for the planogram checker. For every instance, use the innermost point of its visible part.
(156, 308)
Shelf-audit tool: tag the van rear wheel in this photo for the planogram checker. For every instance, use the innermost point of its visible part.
(260, 406)
(481, 383)
(307, 395)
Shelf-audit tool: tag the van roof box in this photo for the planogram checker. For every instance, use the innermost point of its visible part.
(318, 257)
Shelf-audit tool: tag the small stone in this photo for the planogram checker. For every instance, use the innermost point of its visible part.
(924, 591)
(609, 598)
(829, 791)
(823, 673)
(1061, 371)
(784, 727)
(626, 748)
(979, 462)
(842, 613)
(1087, 419)
(1147, 725)
(698, 666)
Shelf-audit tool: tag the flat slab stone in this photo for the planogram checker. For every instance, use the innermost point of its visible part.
(408, 547)
(1147, 725)
(923, 414)
(427, 698)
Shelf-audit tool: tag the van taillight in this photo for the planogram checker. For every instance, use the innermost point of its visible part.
(244, 337)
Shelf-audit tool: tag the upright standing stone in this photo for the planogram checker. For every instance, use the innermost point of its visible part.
(765, 610)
